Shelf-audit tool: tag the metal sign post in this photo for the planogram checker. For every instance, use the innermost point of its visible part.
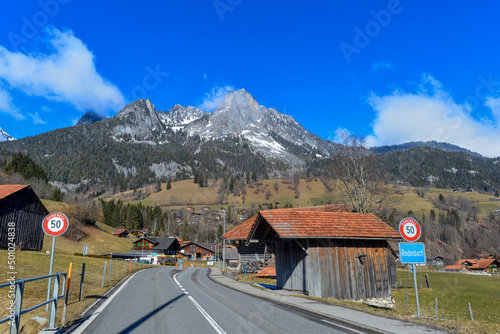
(412, 252)
(54, 225)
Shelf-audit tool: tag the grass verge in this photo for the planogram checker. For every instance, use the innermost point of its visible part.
(32, 264)
(453, 290)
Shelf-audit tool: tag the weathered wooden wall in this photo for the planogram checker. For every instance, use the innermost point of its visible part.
(23, 209)
(251, 252)
(342, 269)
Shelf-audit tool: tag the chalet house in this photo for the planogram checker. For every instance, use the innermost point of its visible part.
(121, 233)
(475, 265)
(20, 205)
(161, 246)
(437, 261)
(196, 251)
(341, 255)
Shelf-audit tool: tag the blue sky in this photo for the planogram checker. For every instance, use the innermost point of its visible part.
(394, 71)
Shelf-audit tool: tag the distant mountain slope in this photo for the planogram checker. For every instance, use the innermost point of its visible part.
(421, 166)
(434, 144)
(90, 117)
(141, 145)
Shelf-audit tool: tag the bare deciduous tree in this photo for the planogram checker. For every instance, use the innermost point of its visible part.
(358, 183)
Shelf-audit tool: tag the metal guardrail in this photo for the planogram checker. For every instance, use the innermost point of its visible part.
(16, 310)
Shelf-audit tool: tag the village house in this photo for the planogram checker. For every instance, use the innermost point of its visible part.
(20, 205)
(475, 265)
(121, 233)
(341, 255)
(196, 251)
(161, 246)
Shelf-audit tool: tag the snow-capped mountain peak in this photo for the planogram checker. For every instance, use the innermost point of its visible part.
(179, 116)
(4, 136)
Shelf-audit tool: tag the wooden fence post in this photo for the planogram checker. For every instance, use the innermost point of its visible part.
(104, 274)
(81, 282)
(436, 306)
(406, 298)
(471, 315)
(427, 283)
(110, 269)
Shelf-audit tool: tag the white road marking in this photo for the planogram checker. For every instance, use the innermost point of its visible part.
(87, 322)
(204, 313)
(212, 322)
(338, 325)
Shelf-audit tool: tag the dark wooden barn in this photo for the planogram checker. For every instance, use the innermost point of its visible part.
(20, 205)
(340, 255)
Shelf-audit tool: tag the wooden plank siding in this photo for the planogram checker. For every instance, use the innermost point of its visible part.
(26, 211)
(251, 252)
(341, 269)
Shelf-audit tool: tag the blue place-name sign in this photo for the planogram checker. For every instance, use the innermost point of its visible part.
(412, 252)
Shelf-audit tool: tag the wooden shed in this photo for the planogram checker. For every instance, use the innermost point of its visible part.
(20, 205)
(251, 251)
(341, 255)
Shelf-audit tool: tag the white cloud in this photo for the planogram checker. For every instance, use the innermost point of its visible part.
(68, 74)
(213, 99)
(339, 135)
(431, 114)
(382, 65)
(37, 119)
(7, 107)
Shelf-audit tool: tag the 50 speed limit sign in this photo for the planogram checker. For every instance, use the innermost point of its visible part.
(55, 224)
(409, 229)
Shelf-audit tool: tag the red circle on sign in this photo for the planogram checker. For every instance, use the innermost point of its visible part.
(409, 229)
(55, 224)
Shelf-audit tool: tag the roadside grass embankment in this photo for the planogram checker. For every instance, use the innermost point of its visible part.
(31, 264)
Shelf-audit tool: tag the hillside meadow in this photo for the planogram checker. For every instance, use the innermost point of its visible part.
(311, 192)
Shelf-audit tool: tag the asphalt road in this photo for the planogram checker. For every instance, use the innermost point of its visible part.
(161, 300)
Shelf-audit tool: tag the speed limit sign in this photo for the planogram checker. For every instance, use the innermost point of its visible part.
(409, 229)
(55, 224)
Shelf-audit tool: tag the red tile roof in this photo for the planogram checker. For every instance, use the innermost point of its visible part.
(476, 264)
(269, 272)
(314, 224)
(120, 231)
(9, 189)
(241, 231)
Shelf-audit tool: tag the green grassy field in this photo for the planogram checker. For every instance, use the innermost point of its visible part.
(454, 291)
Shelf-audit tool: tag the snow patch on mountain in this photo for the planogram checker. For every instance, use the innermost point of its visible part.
(4, 136)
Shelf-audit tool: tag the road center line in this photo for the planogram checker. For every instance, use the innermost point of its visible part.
(204, 313)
